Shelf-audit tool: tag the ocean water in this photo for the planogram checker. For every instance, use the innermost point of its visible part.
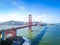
(52, 36)
(40, 35)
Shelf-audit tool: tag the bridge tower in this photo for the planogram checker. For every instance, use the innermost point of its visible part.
(30, 26)
(30, 22)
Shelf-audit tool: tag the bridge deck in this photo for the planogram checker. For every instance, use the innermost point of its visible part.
(15, 28)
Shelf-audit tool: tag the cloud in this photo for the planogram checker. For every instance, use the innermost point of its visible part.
(22, 17)
(22, 8)
(18, 5)
(12, 16)
(48, 18)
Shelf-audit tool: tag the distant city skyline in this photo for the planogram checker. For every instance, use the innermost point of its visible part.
(46, 10)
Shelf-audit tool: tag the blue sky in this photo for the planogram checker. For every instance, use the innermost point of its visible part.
(46, 10)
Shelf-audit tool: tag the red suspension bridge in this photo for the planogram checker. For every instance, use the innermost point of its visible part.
(12, 31)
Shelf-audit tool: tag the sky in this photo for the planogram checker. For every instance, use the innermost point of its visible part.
(47, 11)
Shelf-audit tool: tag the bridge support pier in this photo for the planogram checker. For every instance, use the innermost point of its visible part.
(4, 34)
(11, 32)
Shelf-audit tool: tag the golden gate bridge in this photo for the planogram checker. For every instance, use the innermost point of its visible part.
(12, 31)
